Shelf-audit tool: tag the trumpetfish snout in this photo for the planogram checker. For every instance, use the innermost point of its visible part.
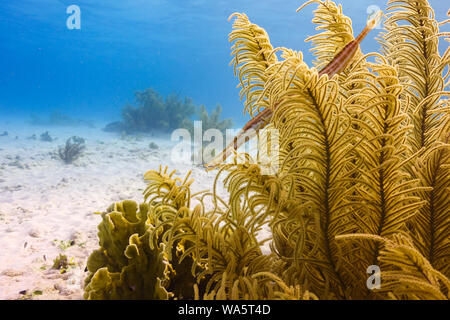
(372, 23)
(343, 58)
(336, 65)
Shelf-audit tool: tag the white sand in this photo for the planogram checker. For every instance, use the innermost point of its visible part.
(45, 204)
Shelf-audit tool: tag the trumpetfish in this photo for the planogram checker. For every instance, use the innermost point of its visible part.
(335, 66)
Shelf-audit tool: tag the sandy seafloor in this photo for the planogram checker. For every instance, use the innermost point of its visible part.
(47, 207)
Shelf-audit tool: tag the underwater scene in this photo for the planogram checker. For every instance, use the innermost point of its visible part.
(225, 150)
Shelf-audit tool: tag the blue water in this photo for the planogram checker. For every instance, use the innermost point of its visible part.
(171, 45)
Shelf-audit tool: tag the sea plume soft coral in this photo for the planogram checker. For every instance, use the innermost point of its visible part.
(72, 150)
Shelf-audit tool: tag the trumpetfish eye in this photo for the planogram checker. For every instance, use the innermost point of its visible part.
(335, 66)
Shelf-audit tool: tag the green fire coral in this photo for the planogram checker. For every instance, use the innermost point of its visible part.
(125, 267)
